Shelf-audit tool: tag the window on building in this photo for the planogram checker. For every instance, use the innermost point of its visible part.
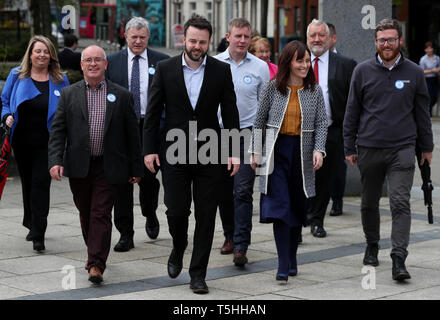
(178, 13)
(254, 14)
(208, 11)
(192, 8)
(313, 13)
(297, 21)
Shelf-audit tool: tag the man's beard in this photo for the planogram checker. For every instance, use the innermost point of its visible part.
(193, 58)
(395, 53)
(318, 50)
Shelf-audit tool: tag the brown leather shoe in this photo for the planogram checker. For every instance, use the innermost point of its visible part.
(228, 247)
(240, 258)
(95, 275)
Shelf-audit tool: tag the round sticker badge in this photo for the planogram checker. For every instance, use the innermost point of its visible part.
(247, 79)
(57, 93)
(399, 84)
(111, 97)
(151, 70)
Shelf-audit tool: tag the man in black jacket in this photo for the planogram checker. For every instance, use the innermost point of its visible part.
(190, 87)
(333, 73)
(387, 115)
(122, 70)
(69, 58)
(95, 142)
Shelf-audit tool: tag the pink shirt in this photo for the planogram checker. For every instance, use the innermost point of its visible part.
(273, 69)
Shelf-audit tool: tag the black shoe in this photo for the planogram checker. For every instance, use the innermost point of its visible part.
(370, 257)
(124, 245)
(29, 236)
(152, 227)
(39, 245)
(318, 231)
(198, 285)
(399, 270)
(336, 209)
(175, 262)
(282, 277)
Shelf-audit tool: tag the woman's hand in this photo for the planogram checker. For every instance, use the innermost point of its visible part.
(317, 160)
(255, 161)
(10, 121)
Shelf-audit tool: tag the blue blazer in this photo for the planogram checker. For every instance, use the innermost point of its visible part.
(17, 90)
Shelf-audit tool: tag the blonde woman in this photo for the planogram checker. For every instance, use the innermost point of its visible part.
(261, 48)
(30, 97)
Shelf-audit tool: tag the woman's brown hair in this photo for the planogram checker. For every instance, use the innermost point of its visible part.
(283, 75)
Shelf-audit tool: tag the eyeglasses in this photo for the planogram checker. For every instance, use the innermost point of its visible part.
(96, 60)
(391, 41)
(263, 51)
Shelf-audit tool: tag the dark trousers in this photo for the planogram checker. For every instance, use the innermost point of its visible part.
(226, 204)
(183, 183)
(35, 179)
(432, 84)
(94, 199)
(324, 176)
(286, 240)
(149, 188)
(397, 165)
(243, 200)
(337, 189)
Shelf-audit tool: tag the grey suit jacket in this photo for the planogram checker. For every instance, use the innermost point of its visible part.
(69, 140)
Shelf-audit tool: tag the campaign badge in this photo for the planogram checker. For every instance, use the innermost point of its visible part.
(111, 97)
(57, 93)
(247, 79)
(151, 70)
(399, 84)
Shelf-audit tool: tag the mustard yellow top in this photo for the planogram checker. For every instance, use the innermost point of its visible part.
(292, 118)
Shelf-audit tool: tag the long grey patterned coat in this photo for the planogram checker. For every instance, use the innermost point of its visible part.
(267, 124)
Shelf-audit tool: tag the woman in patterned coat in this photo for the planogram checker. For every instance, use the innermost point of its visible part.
(287, 147)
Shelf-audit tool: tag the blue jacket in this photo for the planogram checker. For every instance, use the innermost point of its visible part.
(17, 90)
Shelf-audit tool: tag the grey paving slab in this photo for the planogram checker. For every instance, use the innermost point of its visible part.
(432, 293)
(8, 292)
(269, 296)
(36, 264)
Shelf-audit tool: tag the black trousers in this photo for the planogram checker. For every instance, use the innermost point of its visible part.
(35, 179)
(149, 188)
(182, 184)
(324, 177)
(226, 204)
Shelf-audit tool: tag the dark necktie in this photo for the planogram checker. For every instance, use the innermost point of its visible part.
(316, 70)
(135, 87)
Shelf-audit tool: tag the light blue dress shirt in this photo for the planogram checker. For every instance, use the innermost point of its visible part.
(193, 80)
(427, 64)
(249, 77)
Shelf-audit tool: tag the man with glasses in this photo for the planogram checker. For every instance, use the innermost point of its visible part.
(94, 140)
(133, 68)
(387, 114)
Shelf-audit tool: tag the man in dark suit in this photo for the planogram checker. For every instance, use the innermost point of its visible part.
(68, 57)
(333, 73)
(190, 87)
(122, 70)
(95, 142)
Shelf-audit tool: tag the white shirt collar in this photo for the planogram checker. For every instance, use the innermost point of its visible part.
(395, 63)
(324, 57)
(131, 55)
(186, 65)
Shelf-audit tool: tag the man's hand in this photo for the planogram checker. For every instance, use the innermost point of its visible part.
(233, 163)
(317, 160)
(149, 160)
(56, 172)
(134, 180)
(352, 159)
(426, 156)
